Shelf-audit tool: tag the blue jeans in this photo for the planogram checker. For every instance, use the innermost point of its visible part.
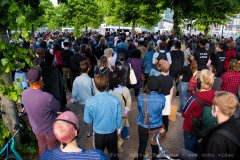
(190, 142)
(183, 94)
(22, 80)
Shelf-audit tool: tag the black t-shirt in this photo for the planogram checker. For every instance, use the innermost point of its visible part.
(164, 83)
(65, 55)
(218, 62)
(202, 56)
(187, 73)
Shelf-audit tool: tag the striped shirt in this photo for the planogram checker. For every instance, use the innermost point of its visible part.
(57, 154)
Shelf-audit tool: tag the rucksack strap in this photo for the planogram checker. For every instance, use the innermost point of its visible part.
(198, 100)
(124, 99)
(229, 135)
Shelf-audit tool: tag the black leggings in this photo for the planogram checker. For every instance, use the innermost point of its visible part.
(165, 122)
(143, 140)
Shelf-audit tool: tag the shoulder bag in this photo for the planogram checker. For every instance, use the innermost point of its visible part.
(132, 76)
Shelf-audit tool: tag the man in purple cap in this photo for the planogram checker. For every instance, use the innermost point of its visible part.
(41, 108)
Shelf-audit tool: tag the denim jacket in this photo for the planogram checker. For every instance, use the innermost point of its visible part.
(155, 103)
(104, 111)
(82, 88)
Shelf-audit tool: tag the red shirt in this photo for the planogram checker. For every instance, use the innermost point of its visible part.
(230, 81)
(230, 53)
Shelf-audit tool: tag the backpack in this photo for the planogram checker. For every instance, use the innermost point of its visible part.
(206, 122)
(99, 50)
(162, 56)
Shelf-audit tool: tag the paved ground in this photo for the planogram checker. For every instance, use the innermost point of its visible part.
(172, 144)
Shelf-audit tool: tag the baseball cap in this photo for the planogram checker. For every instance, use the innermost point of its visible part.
(65, 127)
(69, 117)
(33, 75)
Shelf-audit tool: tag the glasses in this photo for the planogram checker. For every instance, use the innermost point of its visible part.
(128, 40)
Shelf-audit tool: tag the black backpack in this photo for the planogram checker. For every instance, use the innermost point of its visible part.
(162, 56)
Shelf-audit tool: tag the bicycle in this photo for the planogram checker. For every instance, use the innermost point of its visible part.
(162, 153)
(8, 152)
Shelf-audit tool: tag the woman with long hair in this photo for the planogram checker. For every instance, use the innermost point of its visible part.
(102, 67)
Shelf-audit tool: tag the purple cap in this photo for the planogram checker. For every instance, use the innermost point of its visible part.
(33, 75)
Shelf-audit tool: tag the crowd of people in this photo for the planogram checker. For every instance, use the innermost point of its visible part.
(95, 70)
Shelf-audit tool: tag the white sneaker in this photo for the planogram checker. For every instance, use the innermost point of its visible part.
(128, 137)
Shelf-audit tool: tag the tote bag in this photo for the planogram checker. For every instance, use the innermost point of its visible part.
(132, 76)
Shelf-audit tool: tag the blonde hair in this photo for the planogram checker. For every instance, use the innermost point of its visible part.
(227, 102)
(206, 78)
(102, 40)
(108, 52)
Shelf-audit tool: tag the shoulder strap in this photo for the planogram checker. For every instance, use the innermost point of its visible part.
(146, 112)
(229, 135)
(92, 88)
(124, 99)
(198, 100)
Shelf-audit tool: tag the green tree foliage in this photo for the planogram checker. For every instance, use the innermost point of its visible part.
(134, 12)
(215, 12)
(56, 17)
(79, 14)
(202, 12)
(182, 10)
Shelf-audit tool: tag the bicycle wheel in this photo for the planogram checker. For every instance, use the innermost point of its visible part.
(11, 157)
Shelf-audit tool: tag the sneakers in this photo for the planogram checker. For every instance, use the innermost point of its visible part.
(179, 113)
(127, 137)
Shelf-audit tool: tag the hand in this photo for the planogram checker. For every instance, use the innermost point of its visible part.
(72, 100)
(124, 116)
(119, 132)
(125, 112)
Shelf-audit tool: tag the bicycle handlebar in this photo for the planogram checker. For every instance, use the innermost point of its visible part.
(162, 152)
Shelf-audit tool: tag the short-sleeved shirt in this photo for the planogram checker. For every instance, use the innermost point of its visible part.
(57, 154)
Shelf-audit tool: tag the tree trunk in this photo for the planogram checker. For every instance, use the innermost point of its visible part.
(176, 28)
(9, 107)
(32, 30)
(86, 28)
(206, 31)
(133, 27)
